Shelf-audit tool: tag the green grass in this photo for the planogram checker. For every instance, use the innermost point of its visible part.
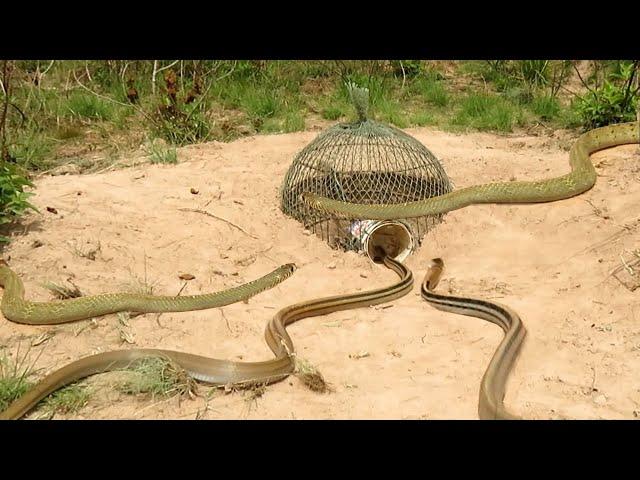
(162, 153)
(14, 379)
(432, 91)
(84, 105)
(421, 119)
(68, 132)
(33, 150)
(69, 399)
(487, 112)
(244, 97)
(293, 121)
(546, 108)
(156, 376)
(333, 112)
(261, 103)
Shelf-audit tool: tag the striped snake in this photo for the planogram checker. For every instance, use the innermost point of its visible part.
(222, 372)
(493, 385)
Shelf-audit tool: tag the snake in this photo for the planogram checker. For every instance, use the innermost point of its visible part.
(581, 178)
(16, 309)
(493, 384)
(222, 372)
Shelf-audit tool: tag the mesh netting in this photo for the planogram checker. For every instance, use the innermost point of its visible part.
(362, 162)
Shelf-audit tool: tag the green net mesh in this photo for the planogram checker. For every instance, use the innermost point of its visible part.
(362, 162)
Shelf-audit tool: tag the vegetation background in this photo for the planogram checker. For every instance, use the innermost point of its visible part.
(85, 115)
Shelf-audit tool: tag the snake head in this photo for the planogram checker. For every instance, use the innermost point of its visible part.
(434, 272)
(287, 270)
(308, 199)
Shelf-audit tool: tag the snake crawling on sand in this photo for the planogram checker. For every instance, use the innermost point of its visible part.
(581, 178)
(494, 381)
(222, 372)
(15, 308)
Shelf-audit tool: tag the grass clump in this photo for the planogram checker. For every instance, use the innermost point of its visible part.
(487, 112)
(157, 376)
(421, 119)
(159, 152)
(84, 105)
(333, 112)
(432, 91)
(69, 399)
(545, 107)
(14, 379)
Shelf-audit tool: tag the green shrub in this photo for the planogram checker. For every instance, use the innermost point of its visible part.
(407, 68)
(13, 199)
(615, 101)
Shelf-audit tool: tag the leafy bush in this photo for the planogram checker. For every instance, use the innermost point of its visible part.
(13, 199)
(407, 68)
(614, 102)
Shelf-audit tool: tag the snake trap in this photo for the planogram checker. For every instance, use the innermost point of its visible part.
(365, 162)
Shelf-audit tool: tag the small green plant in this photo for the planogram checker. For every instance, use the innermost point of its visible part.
(84, 105)
(528, 74)
(433, 92)
(32, 150)
(14, 378)
(421, 119)
(614, 102)
(156, 376)
(13, 198)
(180, 117)
(69, 399)
(261, 103)
(159, 152)
(332, 112)
(293, 121)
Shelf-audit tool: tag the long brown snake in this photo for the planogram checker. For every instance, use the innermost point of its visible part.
(221, 372)
(493, 385)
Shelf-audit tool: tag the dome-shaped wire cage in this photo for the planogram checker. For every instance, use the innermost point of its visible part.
(362, 162)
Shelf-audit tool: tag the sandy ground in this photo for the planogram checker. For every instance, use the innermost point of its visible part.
(552, 263)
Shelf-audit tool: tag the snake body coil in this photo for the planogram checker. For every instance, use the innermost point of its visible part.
(581, 178)
(221, 372)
